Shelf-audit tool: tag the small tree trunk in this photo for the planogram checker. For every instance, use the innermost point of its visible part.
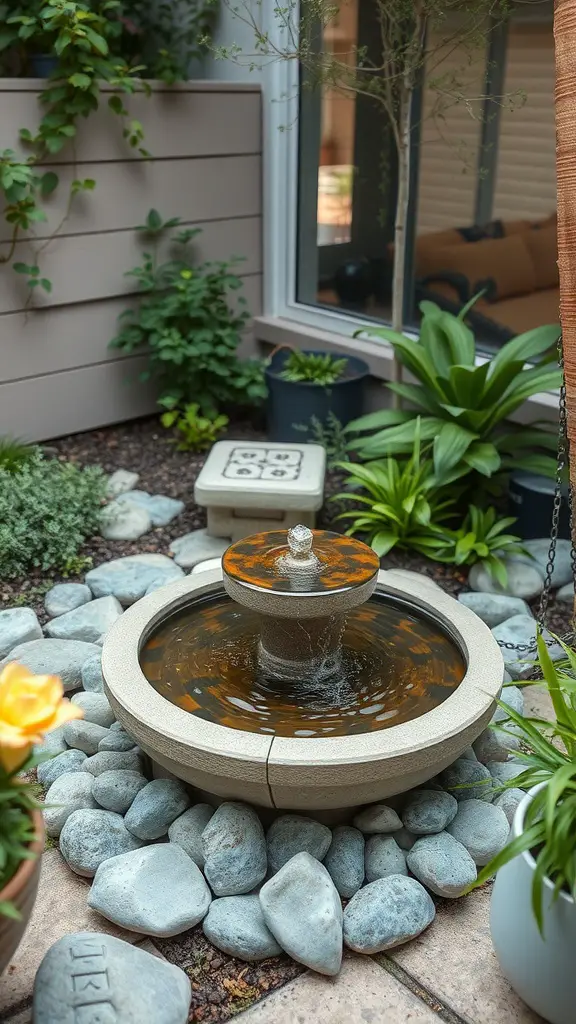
(400, 227)
(565, 37)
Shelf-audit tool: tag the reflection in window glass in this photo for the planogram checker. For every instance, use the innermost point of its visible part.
(483, 188)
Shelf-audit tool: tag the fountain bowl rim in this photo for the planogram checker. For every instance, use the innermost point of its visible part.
(177, 736)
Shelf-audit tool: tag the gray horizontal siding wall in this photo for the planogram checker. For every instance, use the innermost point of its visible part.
(57, 372)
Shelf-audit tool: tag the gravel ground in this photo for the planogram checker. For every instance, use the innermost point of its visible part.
(221, 986)
(145, 447)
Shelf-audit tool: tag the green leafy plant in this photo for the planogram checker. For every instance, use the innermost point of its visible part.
(47, 510)
(188, 326)
(481, 538)
(14, 454)
(196, 433)
(331, 435)
(550, 824)
(463, 406)
(405, 504)
(166, 36)
(313, 368)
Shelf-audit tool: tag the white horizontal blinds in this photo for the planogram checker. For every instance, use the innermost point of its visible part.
(450, 132)
(526, 173)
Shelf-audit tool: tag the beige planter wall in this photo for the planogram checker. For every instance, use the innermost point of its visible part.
(57, 374)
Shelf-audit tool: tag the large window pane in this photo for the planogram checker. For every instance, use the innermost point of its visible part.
(482, 212)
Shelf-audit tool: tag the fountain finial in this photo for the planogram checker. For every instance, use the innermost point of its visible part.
(300, 540)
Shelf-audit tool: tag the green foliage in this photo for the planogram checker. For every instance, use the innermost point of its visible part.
(313, 368)
(550, 823)
(405, 504)
(481, 538)
(463, 407)
(96, 43)
(196, 433)
(188, 326)
(47, 510)
(17, 801)
(166, 36)
(331, 435)
(14, 454)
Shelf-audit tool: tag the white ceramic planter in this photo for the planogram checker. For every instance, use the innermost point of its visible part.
(542, 971)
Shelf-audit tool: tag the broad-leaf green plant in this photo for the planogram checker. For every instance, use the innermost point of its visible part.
(188, 327)
(481, 538)
(463, 405)
(404, 504)
(549, 753)
(195, 433)
(313, 368)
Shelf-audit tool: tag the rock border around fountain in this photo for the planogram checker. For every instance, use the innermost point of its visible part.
(292, 773)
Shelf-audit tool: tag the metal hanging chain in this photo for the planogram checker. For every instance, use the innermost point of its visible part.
(561, 463)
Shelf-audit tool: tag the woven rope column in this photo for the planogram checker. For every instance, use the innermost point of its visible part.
(565, 43)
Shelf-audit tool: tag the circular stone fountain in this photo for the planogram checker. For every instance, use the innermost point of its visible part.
(300, 676)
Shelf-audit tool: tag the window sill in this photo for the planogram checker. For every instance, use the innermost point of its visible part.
(277, 331)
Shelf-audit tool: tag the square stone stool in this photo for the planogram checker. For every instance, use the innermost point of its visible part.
(251, 486)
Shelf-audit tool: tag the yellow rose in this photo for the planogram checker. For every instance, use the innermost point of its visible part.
(30, 706)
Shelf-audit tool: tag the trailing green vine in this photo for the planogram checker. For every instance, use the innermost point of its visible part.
(97, 46)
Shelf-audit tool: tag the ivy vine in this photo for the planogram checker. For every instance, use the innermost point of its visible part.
(97, 45)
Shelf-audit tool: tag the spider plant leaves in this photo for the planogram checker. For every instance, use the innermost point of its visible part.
(483, 457)
(450, 444)
(396, 439)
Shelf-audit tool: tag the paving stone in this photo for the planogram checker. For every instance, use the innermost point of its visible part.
(524, 581)
(302, 909)
(482, 828)
(70, 792)
(442, 864)
(117, 741)
(345, 860)
(17, 626)
(468, 780)
(65, 597)
(493, 745)
(293, 833)
(112, 760)
(383, 857)
(566, 593)
(428, 810)
(514, 696)
(196, 547)
(234, 850)
(60, 908)
(164, 998)
(494, 608)
(505, 771)
(454, 961)
(157, 890)
(53, 744)
(508, 802)
(92, 678)
(187, 831)
(64, 658)
(116, 790)
(155, 808)
(84, 735)
(405, 839)
(63, 764)
(162, 510)
(128, 579)
(377, 818)
(356, 996)
(236, 925)
(120, 481)
(387, 913)
(90, 622)
(124, 521)
(90, 837)
(96, 708)
(538, 557)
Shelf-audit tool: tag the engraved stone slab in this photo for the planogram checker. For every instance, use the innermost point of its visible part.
(92, 978)
(262, 475)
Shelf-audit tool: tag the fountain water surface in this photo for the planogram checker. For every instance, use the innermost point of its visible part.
(301, 676)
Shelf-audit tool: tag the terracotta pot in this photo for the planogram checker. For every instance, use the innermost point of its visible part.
(21, 890)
